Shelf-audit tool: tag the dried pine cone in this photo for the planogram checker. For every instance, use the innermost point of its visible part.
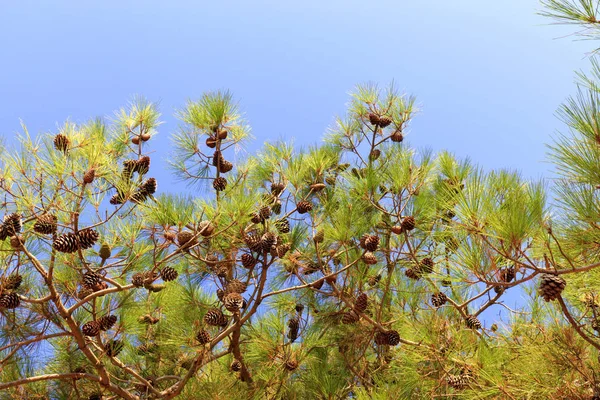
(361, 303)
(408, 223)
(106, 322)
(168, 274)
(91, 328)
(87, 238)
(303, 207)
(61, 142)
(9, 300)
(45, 224)
(203, 337)
(233, 301)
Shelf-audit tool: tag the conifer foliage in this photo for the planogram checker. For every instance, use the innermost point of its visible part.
(353, 269)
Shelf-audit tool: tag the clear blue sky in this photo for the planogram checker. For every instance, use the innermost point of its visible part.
(489, 75)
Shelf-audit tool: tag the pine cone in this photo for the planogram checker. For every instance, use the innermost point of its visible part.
(89, 176)
(168, 274)
(84, 292)
(186, 239)
(224, 166)
(203, 337)
(91, 328)
(438, 299)
(458, 381)
(282, 225)
(61, 142)
(236, 366)
(142, 165)
(45, 224)
(214, 317)
(551, 286)
(265, 212)
(87, 238)
(113, 347)
(472, 322)
(412, 274)
(374, 119)
(319, 236)
(408, 224)
(248, 261)
(235, 286)
(291, 365)
(277, 188)
(397, 136)
(233, 301)
(361, 303)
(12, 282)
(350, 317)
(67, 243)
(303, 207)
(12, 224)
(294, 327)
(253, 241)
(267, 241)
(206, 228)
(91, 280)
(393, 337)
(381, 338)
(384, 121)
(371, 243)
(220, 184)
(9, 300)
(426, 266)
(507, 274)
(369, 258)
(106, 322)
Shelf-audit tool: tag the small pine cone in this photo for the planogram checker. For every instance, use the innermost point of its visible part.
(294, 328)
(16, 242)
(361, 303)
(87, 238)
(203, 337)
(381, 338)
(291, 364)
(426, 265)
(374, 119)
(303, 207)
(219, 184)
(9, 300)
(91, 279)
(384, 121)
(280, 250)
(371, 242)
(282, 225)
(276, 207)
(213, 317)
(397, 136)
(235, 286)
(118, 198)
(438, 299)
(458, 381)
(206, 228)
(211, 142)
(393, 337)
(374, 155)
(233, 301)
(84, 292)
(224, 166)
(350, 317)
(138, 279)
(91, 328)
(149, 186)
(319, 236)
(211, 261)
(248, 261)
(362, 241)
(374, 280)
(408, 224)
(397, 229)
(12, 282)
(412, 274)
(142, 165)
(236, 366)
(369, 258)
(12, 224)
(253, 241)
(256, 218)
(267, 241)
(299, 308)
(265, 212)
(113, 347)
(551, 286)
(106, 322)
(217, 158)
(277, 188)
(89, 176)
(61, 142)
(129, 167)
(472, 322)
(186, 239)
(168, 274)
(45, 224)
(507, 274)
(148, 319)
(67, 243)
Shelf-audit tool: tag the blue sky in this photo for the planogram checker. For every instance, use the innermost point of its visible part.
(488, 75)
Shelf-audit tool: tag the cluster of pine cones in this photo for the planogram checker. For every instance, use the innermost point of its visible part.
(8, 296)
(145, 190)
